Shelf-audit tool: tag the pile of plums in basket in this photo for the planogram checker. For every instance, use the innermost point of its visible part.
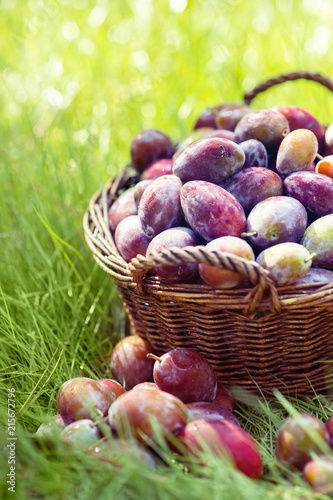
(254, 183)
(176, 397)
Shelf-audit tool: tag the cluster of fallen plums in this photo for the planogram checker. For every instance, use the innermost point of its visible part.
(176, 397)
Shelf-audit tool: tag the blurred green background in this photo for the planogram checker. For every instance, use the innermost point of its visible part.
(78, 78)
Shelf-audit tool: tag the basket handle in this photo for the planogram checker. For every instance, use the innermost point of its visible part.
(174, 256)
(297, 75)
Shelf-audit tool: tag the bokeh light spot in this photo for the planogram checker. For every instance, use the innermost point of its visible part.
(70, 30)
(178, 6)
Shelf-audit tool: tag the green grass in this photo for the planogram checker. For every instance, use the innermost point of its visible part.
(74, 89)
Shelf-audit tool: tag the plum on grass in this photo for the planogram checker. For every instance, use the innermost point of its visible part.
(275, 220)
(224, 397)
(223, 438)
(83, 433)
(115, 450)
(318, 238)
(286, 262)
(254, 184)
(143, 414)
(122, 207)
(129, 362)
(296, 151)
(255, 153)
(82, 398)
(212, 159)
(223, 278)
(130, 238)
(329, 428)
(174, 237)
(186, 374)
(112, 386)
(211, 211)
(148, 146)
(208, 410)
(160, 207)
(265, 125)
(319, 474)
(313, 190)
(47, 428)
(298, 437)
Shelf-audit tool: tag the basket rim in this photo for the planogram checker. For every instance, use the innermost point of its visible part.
(101, 243)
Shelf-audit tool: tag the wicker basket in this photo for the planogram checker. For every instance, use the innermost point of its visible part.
(259, 338)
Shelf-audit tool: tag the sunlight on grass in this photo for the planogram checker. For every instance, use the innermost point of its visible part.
(78, 79)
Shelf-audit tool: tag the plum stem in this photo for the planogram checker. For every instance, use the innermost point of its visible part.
(247, 235)
(319, 156)
(98, 421)
(150, 355)
(310, 257)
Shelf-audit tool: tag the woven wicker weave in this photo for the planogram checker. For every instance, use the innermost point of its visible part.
(259, 338)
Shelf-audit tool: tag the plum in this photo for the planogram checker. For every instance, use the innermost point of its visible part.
(316, 275)
(276, 219)
(329, 428)
(208, 117)
(297, 151)
(113, 451)
(318, 238)
(160, 207)
(221, 133)
(174, 237)
(139, 188)
(83, 433)
(211, 211)
(82, 398)
(213, 160)
(186, 374)
(224, 397)
(122, 207)
(207, 410)
(230, 114)
(313, 190)
(111, 385)
(145, 385)
(143, 413)
(286, 262)
(223, 278)
(157, 168)
(129, 362)
(223, 438)
(329, 140)
(254, 184)
(319, 474)
(265, 125)
(255, 153)
(130, 239)
(50, 427)
(300, 118)
(148, 146)
(298, 438)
